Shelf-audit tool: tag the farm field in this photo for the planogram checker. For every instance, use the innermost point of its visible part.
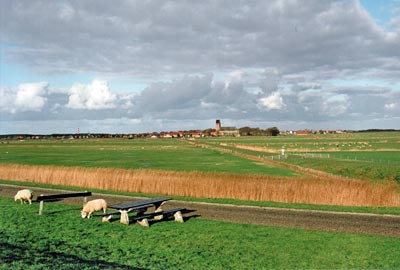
(369, 156)
(162, 154)
(329, 142)
(210, 168)
(62, 240)
(218, 168)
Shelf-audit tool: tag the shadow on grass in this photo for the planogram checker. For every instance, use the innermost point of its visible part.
(15, 257)
(50, 212)
(115, 216)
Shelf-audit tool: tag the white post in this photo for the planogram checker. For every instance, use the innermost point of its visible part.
(124, 217)
(178, 216)
(40, 208)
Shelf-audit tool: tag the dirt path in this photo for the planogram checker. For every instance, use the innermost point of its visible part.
(388, 225)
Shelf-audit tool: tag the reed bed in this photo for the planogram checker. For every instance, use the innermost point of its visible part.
(310, 189)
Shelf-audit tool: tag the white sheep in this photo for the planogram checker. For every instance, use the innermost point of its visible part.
(24, 195)
(92, 206)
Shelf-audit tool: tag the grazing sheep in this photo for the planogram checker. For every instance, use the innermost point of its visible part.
(24, 195)
(92, 206)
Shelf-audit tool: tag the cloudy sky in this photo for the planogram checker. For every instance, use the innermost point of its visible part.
(141, 66)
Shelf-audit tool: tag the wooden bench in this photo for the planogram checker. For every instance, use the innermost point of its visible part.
(48, 198)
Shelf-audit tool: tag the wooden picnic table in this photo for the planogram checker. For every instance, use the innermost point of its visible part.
(140, 207)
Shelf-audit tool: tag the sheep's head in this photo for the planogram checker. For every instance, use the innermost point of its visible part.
(83, 214)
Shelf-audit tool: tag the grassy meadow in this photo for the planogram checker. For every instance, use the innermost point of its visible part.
(363, 167)
(60, 239)
(368, 156)
(159, 154)
(363, 177)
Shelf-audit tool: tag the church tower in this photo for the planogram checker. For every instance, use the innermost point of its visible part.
(217, 125)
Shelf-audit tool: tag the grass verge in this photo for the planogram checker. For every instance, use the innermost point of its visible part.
(62, 240)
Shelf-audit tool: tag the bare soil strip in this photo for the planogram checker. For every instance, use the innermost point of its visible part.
(387, 225)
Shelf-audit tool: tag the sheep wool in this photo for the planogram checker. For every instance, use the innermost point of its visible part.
(24, 195)
(92, 206)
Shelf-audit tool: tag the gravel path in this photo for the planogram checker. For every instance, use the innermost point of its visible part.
(388, 225)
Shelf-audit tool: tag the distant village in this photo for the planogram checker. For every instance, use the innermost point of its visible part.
(218, 131)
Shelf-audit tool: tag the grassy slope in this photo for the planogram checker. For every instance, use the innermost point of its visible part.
(60, 239)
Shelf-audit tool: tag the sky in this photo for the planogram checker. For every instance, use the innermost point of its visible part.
(133, 66)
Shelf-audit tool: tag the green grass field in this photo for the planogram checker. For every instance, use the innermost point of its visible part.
(166, 154)
(371, 141)
(373, 156)
(60, 239)
(370, 156)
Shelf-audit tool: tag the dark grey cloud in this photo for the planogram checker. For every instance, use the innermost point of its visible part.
(262, 62)
(144, 37)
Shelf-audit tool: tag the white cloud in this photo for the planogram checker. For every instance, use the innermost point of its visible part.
(7, 99)
(273, 102)
(30, 97)
(335, 105)
(95, 96)
(392, 106)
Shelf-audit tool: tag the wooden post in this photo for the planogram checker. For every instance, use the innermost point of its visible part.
(124, 217)
(178, 216)
(40, 208)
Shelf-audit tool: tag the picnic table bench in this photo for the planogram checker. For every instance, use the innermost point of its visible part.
(141, 206)
(48, 198)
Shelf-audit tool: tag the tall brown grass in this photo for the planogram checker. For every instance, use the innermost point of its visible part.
(310, 189)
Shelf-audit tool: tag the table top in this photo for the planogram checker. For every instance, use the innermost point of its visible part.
(139, 203)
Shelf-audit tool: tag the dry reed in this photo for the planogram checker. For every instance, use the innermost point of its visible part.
(312, 189)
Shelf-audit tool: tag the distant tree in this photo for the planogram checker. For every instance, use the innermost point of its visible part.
(272, 131)
(208, 131)
(245, 131)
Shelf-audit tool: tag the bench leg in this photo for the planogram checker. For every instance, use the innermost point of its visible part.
(40, 208)
(106, 218)
(158, 209)
(160, 216)
(144, 222)
(124, 217)
(178, 216)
